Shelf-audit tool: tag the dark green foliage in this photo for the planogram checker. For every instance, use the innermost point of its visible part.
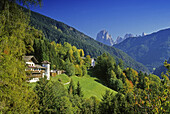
(141, 80)
(63, 105)
(121, 63)
(104, 65)
(70, 69)
(62, 57)
(129, 74)
(77, 104)
(78, 90)
(84, 70)
(122, 103)
(110, 73)
(143, 93)
(114, 104)
(94, 105)
(52, 97)
(43, 50)
(116, 84)
(158, 71)
(46, 96)
(108, 104)
(150, 50)
(15, 95)
(118, 71)
(5, 3)
(71, 88)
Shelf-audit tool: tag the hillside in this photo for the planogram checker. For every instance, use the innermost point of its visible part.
(60, 33)
(150, 50)
(90, 87)
(161, 69)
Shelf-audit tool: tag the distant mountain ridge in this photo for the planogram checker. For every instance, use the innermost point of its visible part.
(120, 39)
(104, 37)
(60, 33)
(151, 50)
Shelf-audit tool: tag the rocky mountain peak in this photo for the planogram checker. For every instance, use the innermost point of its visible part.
(104, 37)
(128, 35)
(118, 40)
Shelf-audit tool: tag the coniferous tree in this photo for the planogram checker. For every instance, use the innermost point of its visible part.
(71, 89)
(141, 80)
(84, 70)
(106, 103)
(52, 96)
(122, 103)
(78, 90)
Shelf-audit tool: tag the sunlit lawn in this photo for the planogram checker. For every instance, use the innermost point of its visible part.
(90, 87)
(62, 77)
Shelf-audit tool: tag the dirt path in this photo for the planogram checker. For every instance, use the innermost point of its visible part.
(67, 83)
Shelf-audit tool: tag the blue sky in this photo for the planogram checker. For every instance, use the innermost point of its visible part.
(118, 17)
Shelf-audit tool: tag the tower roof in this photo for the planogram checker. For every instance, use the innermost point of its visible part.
(45, 62)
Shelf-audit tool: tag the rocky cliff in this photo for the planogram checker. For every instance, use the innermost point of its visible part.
(104, 37)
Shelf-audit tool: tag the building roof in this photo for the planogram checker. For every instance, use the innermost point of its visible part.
(45, 62)
(30, 58)
(39, 66)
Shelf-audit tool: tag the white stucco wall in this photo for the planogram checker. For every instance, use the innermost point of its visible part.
(47, 71)
(30, 63)
(34, 80)
(92, 62)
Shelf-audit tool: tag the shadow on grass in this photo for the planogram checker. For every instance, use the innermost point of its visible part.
(90, 73)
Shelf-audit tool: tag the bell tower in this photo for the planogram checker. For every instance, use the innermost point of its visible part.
(46, 64)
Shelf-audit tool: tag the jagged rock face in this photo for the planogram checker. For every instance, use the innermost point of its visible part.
(104, 37)
(118, 40)
(128, 35)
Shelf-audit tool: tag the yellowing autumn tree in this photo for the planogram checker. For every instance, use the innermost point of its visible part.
(15, 95)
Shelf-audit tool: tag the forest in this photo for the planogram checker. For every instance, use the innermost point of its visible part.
(136, 91)
(60, 33)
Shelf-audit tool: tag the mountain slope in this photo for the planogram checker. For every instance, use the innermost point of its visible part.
(161, 69)
(150, 50)
(60, 32)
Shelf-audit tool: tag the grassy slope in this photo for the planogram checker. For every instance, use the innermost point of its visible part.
(89, 85)
(63, 77)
